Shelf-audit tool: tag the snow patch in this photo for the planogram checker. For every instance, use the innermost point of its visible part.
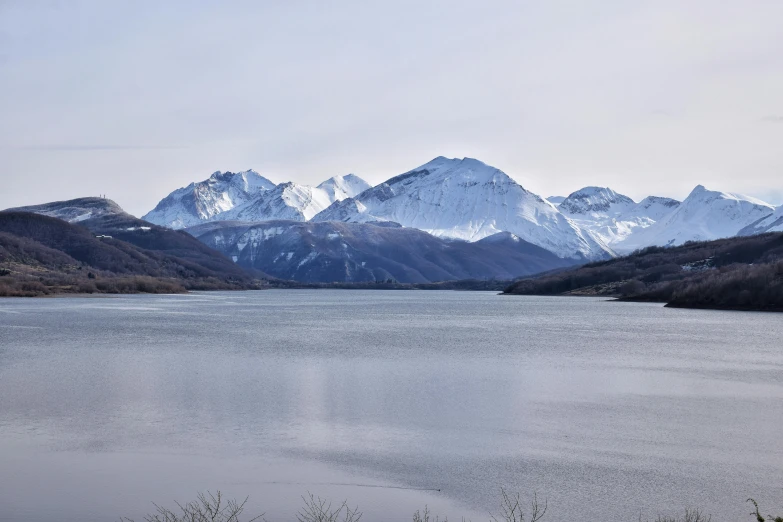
(307, 259)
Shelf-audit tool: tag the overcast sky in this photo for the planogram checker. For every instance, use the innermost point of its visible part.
(136, 98)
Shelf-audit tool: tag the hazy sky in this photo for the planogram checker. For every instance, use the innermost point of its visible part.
(137, 98)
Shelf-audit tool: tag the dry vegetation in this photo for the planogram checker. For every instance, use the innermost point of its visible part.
(40, 255)
(743, 273)
(213, 508)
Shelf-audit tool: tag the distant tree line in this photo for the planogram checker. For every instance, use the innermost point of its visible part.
(40, 255)
(737, 273)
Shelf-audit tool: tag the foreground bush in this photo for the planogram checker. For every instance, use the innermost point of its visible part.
(213, 508)
(207, 508)
(759, 517)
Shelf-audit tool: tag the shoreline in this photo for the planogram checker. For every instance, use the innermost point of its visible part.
(411, 287)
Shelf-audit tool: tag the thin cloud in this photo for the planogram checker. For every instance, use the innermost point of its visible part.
(772, 118)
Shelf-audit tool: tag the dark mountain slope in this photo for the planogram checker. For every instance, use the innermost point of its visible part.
(191, 253)
(104, 217)
(352, 252)
(744, 273)
(42, 255)
(79, 244)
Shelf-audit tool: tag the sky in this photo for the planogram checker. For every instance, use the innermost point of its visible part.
(136, 99)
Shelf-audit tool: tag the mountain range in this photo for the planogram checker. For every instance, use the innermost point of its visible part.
(249, 196)
(468, 200)
(312, 252)
(447, 219)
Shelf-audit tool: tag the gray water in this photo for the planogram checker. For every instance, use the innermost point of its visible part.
(391, 400)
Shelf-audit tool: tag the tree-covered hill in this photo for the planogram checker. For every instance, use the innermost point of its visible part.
(742, 273)
(42, 255)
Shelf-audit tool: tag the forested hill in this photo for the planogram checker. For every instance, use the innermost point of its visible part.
(742, 273)
(42, 255)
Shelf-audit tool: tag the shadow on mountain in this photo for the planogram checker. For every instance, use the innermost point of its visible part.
(111, 253)
(321, 252)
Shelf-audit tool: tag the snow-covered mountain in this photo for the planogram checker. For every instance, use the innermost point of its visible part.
(703, 216)
(770, 223)
(286, 201)
(249, 196)
(595, 202)
(339, 188)
(75, 210)
(296, 202)
(653, 207)
(202, 201)
(467, 199)
(613, 217)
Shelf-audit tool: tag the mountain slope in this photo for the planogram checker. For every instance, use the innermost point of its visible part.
(195, 259)
(286, 201)
(770, 223)
(467, 199)
(355, 252)
(202, 201)
(248, 196)
(42, 255)
(292, 201)
(653, 208)
(704, 215)
(596, 210)
(74, 210)
(613, 217)
(339, 188)
(595, 202)
(743, 273)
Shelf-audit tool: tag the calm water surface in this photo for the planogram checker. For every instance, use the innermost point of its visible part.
(391, 400)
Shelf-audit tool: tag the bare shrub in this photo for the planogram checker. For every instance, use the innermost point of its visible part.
(317, 509)
(426, 516)
(511, 509)
(208, 508)
(691, 515)
(759, 517)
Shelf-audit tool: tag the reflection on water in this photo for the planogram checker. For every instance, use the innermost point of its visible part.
(605, 409)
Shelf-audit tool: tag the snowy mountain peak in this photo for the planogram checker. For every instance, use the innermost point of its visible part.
(592, 200)
(441, 167)
(704, 215)
(701, 193)
(613, 217)
(467, 199)
(287, 200)
(341, 187)
(654, 207)
(249, 180)
(658, 200)
(202, 201)
(292, 201)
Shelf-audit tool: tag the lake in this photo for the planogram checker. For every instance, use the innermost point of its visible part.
(392, 400)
